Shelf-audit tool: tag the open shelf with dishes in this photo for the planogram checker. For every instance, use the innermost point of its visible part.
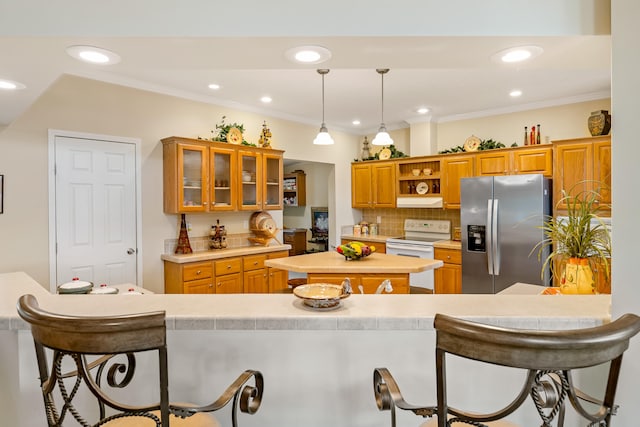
(294, 189)
(418, 177)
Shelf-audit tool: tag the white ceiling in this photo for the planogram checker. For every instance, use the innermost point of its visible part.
(453, 76)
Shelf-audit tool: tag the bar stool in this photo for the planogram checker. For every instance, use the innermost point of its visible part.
(93, 357)
(547, 357)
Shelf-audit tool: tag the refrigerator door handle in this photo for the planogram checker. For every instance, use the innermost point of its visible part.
(494, 239)
(488, 236)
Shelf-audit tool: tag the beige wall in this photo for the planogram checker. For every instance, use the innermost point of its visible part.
(561, 122)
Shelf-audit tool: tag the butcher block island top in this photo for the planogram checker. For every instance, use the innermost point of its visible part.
(333, 262)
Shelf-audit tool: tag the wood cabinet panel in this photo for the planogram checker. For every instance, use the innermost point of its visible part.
(197, 270)
(455, 168)
(533, 160)
(582, 165)
(448, 278)
(373, 185)
(517, 161)
(256, 281)
(228, 265)
(202, 286)
(229, 284)
(253, 262)
(369, 282)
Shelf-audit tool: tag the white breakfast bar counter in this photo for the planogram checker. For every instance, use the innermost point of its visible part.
(311, 360)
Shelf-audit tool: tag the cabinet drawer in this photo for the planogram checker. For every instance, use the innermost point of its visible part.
(230, 265)
(449, 256)
(254, 262)
(197, 270)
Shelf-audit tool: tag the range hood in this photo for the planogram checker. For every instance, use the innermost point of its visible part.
(419, 202)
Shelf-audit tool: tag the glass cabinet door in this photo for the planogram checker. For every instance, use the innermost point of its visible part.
(272, 181)
(223, 179)
(250, 192)
(192, 174)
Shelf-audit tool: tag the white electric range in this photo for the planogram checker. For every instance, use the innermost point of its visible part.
(419, 236)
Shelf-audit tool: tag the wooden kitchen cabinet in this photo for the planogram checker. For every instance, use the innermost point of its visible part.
(373, 184)
(428, 171)
(256, 280)
(261, 180)
(189, 278)
(294, 188)
(448, 278)
(582, 165)
(455, 168)
(278, 278)
(236, 275)
(515, 161)
(369, 282)
(229, 276)
(207, 176)
(297, 238)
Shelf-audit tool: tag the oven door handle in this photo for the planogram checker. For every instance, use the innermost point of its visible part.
(424, 249)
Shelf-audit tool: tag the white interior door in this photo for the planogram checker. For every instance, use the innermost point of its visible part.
(95, 211)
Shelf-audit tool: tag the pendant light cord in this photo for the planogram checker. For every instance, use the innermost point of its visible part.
(323, 99)
(382, 98)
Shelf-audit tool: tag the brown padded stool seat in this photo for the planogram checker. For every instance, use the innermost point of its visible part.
(196, 420)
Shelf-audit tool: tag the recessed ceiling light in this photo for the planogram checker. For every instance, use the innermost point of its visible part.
(10, 85)
(355, 122)
(423, 110)
(94, 55)
(308, 54)
(515, 93)
(517, 54)
(214, 86)
(266, 99)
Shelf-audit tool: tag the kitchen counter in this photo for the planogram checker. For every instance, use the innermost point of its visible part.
(333, 262)
(380, 238)
(448, 244)
(223, 253)
(329, 354)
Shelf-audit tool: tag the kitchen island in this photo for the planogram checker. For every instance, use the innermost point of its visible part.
(365, 274)
(311, 360)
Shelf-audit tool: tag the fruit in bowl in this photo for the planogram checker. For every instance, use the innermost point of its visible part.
(355, 250)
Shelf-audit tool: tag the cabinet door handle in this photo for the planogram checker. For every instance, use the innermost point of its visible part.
(211, 285)
(228, 267)
(448, 256)
(198, 272)
(255, 263)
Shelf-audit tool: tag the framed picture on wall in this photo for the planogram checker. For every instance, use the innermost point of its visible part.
(1, 194)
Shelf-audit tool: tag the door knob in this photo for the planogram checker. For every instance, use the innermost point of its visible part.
(131, 251)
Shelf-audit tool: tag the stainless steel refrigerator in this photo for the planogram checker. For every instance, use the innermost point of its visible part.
(500, 219)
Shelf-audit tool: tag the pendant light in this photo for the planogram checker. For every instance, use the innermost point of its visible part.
(382, 137)
(323, 137)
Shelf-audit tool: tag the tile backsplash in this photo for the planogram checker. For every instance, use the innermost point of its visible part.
(201, 243)
(392, 220)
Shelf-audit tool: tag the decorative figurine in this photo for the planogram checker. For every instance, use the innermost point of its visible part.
(265, 136)
(365, 149)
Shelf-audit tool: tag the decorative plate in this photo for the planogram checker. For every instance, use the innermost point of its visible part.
(472, 143)
(384, 154)
(234, 136)
(422, 188)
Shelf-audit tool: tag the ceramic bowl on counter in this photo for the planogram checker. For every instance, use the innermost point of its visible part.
(320, 295)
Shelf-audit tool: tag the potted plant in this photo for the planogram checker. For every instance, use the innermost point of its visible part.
(580, 243)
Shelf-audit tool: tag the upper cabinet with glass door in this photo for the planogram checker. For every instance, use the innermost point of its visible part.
(206, 176)
(261, 179)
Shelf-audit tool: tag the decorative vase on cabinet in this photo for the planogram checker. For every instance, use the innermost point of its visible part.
(599, 123)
